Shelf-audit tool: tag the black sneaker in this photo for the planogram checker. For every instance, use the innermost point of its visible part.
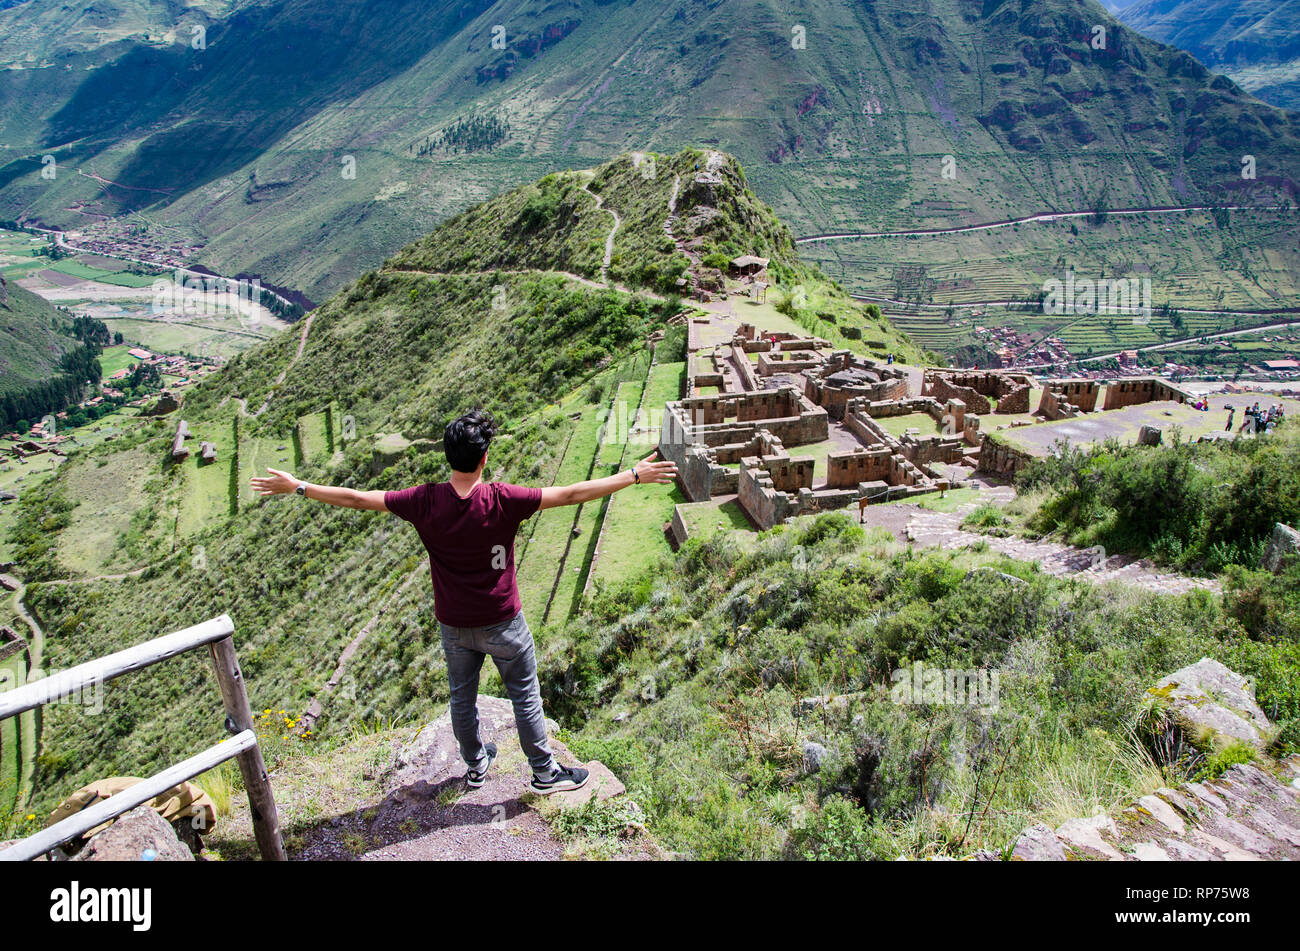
(565, 778)
(477, 777)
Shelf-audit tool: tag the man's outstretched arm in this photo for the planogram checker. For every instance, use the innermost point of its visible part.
(282, 483)
(645, 471)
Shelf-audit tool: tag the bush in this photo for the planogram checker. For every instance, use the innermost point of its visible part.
(1218, 763)
(837, 832)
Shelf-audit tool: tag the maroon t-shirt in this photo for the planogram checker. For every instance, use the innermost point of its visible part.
(471, 545)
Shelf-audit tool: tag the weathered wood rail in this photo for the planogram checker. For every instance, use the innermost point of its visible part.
(218, 636)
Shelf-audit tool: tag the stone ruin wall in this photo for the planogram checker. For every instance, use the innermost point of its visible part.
(1000, 459)
(1146, 389)
(1064, 399)
(976, 388)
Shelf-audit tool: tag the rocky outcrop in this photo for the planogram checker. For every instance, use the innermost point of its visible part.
(411, 801)
(1214, 706)
(1249, 812)
(1283, 548)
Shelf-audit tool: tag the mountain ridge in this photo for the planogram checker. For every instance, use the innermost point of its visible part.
(847, 133)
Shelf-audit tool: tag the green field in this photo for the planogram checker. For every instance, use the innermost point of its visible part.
(205, 489)
(635, 518)
(543, 558)
(109, 490)
(255, 455)
(205, 337)
(116, 358)
(13, 672)
(75, 268)
(314, 437)
(703, 519)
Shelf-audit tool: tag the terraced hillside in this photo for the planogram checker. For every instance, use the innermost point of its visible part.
(497, 308)
(765, 669)
(307, 141)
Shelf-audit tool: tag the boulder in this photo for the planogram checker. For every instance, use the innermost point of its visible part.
(814, 755)
(1283, 547)
(1150, 436)
(1038, 843)
(140, 834)
(1214, 706)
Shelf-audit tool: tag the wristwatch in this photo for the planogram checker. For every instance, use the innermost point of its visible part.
(302, 488)
(636, 478)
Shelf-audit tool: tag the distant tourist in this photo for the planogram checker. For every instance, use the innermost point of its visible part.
(468, 527)
(1231, 412)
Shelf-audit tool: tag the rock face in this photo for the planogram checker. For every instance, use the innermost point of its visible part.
(435, 754)
(1283, 548)
(417, 805)
(1247, 814)
(1214, 705)
(140, 834)
(1250, 812)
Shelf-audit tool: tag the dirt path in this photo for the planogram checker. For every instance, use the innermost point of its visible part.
(302, 344)
(925, 528)
(609, 240)
(36, 643)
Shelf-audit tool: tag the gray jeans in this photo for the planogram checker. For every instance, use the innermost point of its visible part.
(510, 644)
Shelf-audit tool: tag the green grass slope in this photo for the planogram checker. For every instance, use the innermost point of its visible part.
(383, 365)
(33, 336)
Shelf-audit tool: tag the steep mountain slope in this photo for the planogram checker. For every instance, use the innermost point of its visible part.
(496, 308)
(1254, 42)
(32, 338)
(745, 689)
(308, 140)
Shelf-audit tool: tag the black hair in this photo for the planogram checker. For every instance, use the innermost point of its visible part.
(466, 439)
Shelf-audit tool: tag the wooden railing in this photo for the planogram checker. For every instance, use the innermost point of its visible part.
(218, 636)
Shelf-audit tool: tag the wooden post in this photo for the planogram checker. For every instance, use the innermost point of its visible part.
(261, 802)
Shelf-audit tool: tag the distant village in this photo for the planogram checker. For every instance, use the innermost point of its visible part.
(178, 372)
(1013, 349)
(130, 242)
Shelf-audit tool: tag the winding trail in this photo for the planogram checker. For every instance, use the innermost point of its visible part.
(35, 661)
(609, 240)
(302, 344)
(36, 643)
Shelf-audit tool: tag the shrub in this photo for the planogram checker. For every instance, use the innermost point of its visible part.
(1218, 763)
(839, 832)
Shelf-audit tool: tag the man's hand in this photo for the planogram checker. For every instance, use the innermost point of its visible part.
(277, 483)
(647, 470)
